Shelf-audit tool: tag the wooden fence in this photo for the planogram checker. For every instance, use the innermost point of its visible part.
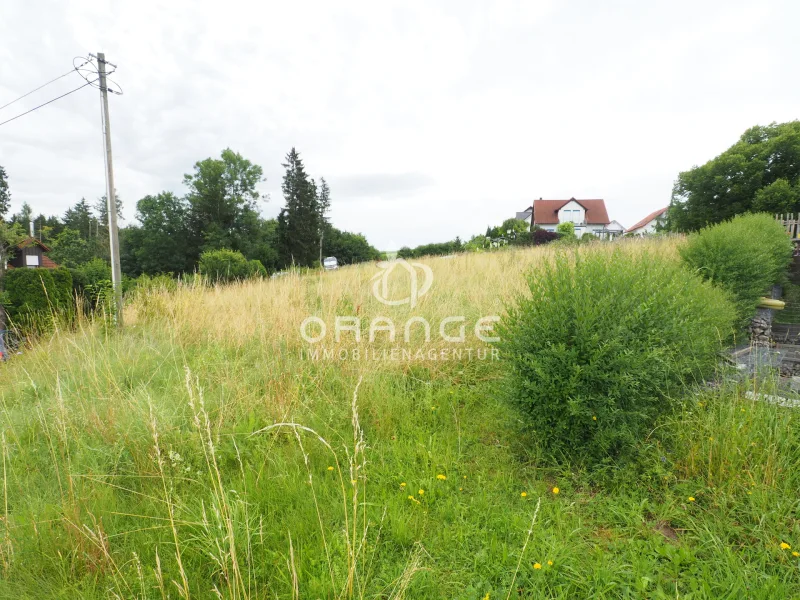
(791, 223)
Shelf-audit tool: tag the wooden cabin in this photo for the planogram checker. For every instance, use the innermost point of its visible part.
(31, 253)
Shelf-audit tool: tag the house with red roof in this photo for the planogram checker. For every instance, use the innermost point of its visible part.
(650, 223)
(31, 253)
(588, 216)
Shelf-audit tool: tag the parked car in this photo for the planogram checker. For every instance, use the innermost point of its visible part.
(330, 263)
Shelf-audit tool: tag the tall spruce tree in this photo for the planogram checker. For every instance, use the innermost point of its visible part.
(324, 201)
(299, 223)
(81, 219)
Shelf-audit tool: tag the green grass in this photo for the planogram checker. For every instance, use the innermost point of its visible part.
(148, 465)
(86, 505)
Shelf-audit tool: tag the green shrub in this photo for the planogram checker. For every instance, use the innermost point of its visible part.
(603, 344)
(566, 229)
(63, 288)
(30, 291)
(256, 269)
(221, 266)
(746, 256)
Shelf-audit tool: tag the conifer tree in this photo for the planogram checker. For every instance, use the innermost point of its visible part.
(299, 223)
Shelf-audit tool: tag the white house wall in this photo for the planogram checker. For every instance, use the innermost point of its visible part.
(572, 212)
(647, 228)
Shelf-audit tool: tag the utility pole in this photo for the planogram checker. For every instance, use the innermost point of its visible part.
(113, 233)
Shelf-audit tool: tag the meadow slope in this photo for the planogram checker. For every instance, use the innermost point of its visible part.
(202, 453)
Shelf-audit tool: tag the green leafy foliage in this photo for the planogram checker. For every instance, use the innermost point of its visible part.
(222, 266)
(746, 256)
(348, 248)
(760, 172)
(62, 293)
(161, 243)
(566, 228)
(37, 291)
(222, 202)
(440, 249)
(70, 249)
(602, 344)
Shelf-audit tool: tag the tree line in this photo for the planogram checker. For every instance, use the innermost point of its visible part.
(220, 211)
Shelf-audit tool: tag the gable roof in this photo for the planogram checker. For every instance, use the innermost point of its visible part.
(31, 241)
(47, 262)
(545, 212)
(653, 215)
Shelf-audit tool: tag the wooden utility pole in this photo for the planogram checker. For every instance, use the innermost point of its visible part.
(111, 195)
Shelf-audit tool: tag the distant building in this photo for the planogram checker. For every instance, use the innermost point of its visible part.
(31, 253)
(650, 223)
(588, 216)
(612, 230)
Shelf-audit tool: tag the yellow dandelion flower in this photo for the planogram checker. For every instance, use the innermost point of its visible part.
(465, 476)
(749, 493)
(549, 563)
(524, 494)
(330, 468)
(594, 418)
(795, 553)
(413, 499)
(486, 597)
(690, 498)
(402, 485)
(785, 546)
(421, 491)
(441, 477)
(460, 489)
(537, 566)
(711, 439)
(556, 490)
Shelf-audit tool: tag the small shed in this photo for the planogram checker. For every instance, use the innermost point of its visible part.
(31, 253)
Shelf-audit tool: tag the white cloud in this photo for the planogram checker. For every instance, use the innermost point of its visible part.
(429, 120)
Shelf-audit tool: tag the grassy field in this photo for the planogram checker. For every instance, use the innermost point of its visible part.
(201, 454)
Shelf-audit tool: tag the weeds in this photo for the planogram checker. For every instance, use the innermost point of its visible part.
(131, 467)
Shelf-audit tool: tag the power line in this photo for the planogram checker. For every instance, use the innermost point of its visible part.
(48, 102)
(43, 85)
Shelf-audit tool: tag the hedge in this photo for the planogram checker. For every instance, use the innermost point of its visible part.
(36, 291)
(745, 256)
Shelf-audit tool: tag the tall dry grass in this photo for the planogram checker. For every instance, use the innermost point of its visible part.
(271, 311)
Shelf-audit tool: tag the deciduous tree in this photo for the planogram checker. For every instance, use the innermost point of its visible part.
(760, 172)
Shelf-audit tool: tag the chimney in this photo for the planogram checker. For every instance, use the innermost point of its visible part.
(32, 234)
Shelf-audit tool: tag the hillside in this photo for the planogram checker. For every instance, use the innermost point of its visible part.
(205, 453)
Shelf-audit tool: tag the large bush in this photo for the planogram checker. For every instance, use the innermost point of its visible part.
(745, 255)
(63, 288)
(229, 265)
(602, 345)
(32, 292)
(29, 291)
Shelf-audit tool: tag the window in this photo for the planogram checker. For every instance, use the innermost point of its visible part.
(31, 260)
(571, 215)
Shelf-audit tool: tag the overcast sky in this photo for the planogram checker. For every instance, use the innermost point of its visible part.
(428, 119)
